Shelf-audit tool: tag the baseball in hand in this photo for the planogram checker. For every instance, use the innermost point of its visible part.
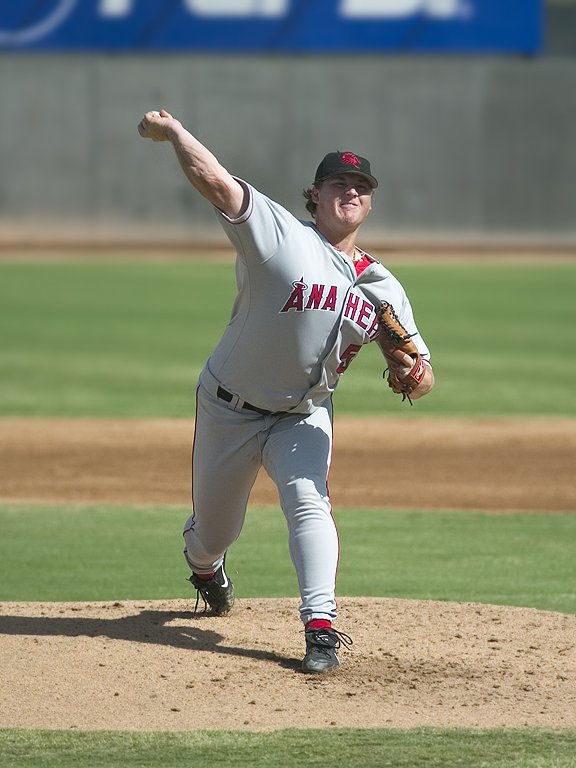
(402, 371)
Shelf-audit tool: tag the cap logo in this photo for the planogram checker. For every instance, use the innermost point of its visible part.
(349, 158)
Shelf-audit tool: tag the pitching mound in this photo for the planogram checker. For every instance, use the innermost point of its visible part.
(156, 666)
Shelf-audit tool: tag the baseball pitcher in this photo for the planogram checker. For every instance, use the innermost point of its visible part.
(308, 300)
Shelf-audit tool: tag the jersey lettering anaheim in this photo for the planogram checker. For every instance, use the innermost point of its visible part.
(357, 309)
(323, 297)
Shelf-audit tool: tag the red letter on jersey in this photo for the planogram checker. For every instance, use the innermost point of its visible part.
(315, 296)
(330, 302)
(351, 306)
(367, 308)
(347, 356)
(296, 298)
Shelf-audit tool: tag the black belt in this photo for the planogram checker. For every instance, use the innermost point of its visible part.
(228, 397)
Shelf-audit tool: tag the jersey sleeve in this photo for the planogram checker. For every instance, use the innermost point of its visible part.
(388, 288)
(260, 229)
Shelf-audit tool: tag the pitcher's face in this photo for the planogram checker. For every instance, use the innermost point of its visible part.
(343, 201)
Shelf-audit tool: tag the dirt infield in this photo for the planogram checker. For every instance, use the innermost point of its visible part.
(490, 464)
(154, 665)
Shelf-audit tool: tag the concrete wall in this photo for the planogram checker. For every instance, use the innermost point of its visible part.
(474, 147)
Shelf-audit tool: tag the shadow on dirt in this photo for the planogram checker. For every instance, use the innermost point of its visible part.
(149, 626)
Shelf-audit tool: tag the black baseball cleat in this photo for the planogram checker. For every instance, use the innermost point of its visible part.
(217, 592)
(321, 647)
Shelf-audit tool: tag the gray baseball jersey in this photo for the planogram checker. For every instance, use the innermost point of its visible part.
(301, 315)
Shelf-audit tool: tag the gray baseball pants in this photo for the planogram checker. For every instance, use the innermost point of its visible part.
(230, 445)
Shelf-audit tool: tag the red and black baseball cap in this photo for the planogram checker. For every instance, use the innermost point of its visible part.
(336, 163)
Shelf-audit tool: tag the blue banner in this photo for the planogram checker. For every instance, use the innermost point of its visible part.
(273, 26)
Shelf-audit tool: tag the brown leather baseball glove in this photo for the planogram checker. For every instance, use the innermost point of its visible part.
(406, 367)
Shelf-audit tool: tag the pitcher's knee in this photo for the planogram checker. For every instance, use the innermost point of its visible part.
(204, 546)
(302, 499)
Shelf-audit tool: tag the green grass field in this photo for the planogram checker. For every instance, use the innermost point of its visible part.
(135, 553)
(128, 340)
(429, 747)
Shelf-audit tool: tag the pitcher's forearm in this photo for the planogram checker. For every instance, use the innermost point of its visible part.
(199, 165)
